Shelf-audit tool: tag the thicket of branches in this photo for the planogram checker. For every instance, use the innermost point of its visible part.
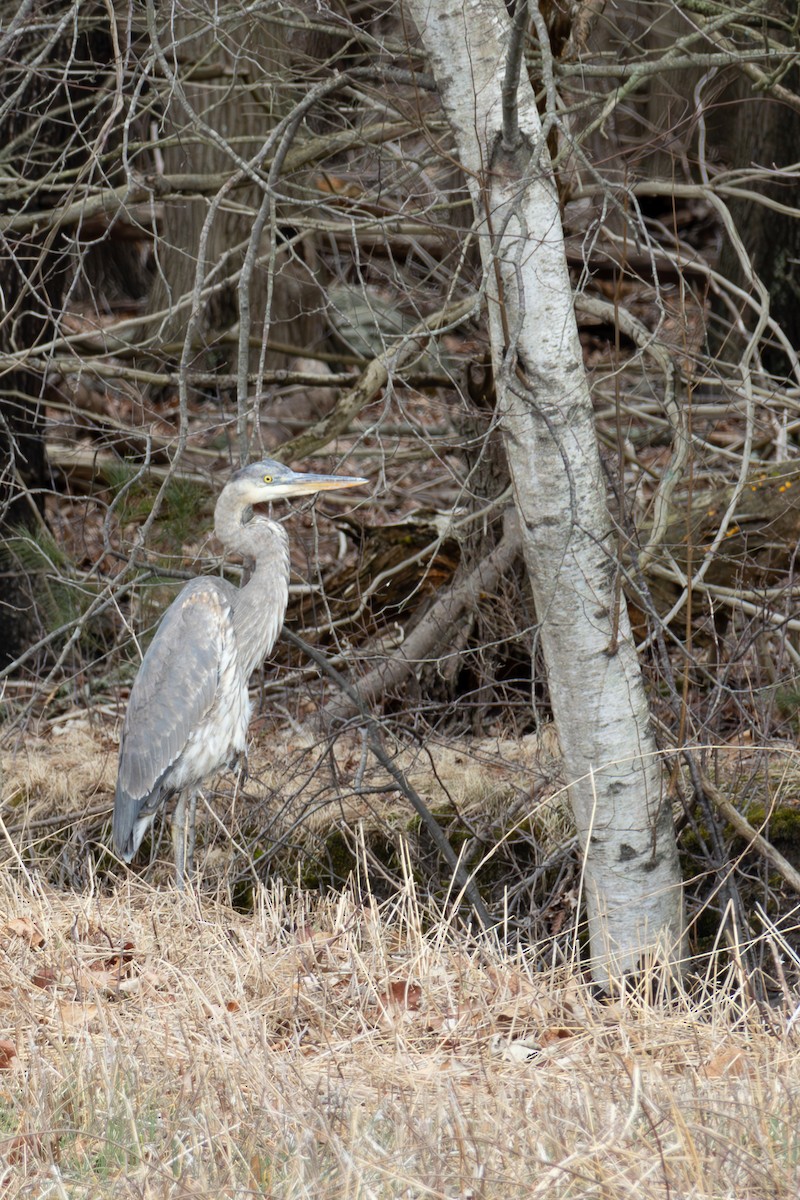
(231, 230)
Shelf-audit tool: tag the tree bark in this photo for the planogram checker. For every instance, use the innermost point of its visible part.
(239, 95)
(766, 134)
(39, 143)
(631, 881)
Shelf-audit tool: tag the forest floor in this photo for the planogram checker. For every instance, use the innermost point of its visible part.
(154, 1044)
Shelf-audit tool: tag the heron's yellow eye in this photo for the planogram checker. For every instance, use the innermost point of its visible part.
(267, 479)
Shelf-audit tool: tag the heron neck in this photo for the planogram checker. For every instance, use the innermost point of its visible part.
(261, 604)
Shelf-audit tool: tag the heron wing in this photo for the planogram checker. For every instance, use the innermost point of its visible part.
(175, 687)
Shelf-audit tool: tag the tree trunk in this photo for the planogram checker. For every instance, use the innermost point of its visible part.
(632, 881)
(232, 70)
(765, 134)
(39, 142)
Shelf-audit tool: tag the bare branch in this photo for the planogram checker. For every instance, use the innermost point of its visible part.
(512, 138)
(375, 377)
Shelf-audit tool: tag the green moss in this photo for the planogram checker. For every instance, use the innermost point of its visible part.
(185, 503)
(782, 826)
(134, 494)
(782, 830)
(448, 820)
(787, 700)
(331, 866)
(62, 596)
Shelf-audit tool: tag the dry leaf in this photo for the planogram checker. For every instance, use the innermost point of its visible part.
(98, 981)
(337, 186)
(74, 1014)
(115, 968)
(728, 1060)
(558, 1033)
(403, 994)
(45, 977)
(148, 982)
(507, 1022)
(23, 927)
(510, 982)
(17, 1148)
(557, 921)
(8, 1052)
(260, 1169)
(214, 1011)
(115, 962)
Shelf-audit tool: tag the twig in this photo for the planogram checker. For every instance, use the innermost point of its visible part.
(372, 379)
(14, 24)
(435, 629)
(645, 340)
(753, 72)
(619, 94)
(127, 196)
(745, 830)
(512, 138)
(547, 69)
(285, 131)
(464, 880)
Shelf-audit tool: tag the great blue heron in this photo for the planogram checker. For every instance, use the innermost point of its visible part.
(189, 707)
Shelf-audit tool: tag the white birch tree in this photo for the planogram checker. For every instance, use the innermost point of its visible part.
(632, 881)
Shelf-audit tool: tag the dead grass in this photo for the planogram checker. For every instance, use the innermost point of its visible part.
(307, 801)
(156, 1045)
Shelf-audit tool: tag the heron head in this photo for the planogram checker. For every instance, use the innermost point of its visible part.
(260, 482)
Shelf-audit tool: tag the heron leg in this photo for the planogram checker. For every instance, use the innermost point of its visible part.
(190, 826)
(239, 764)
(183, 823)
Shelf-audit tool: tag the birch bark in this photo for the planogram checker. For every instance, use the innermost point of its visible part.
(632, 883)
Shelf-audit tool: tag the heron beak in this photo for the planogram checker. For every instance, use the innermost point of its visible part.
(305, 484)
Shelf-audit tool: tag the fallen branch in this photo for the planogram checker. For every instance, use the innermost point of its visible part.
(372, 379)
(462, 877)
(434, 632)
(754, 839)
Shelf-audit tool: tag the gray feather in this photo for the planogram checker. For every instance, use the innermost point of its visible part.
(172, 694)
(189, 708)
